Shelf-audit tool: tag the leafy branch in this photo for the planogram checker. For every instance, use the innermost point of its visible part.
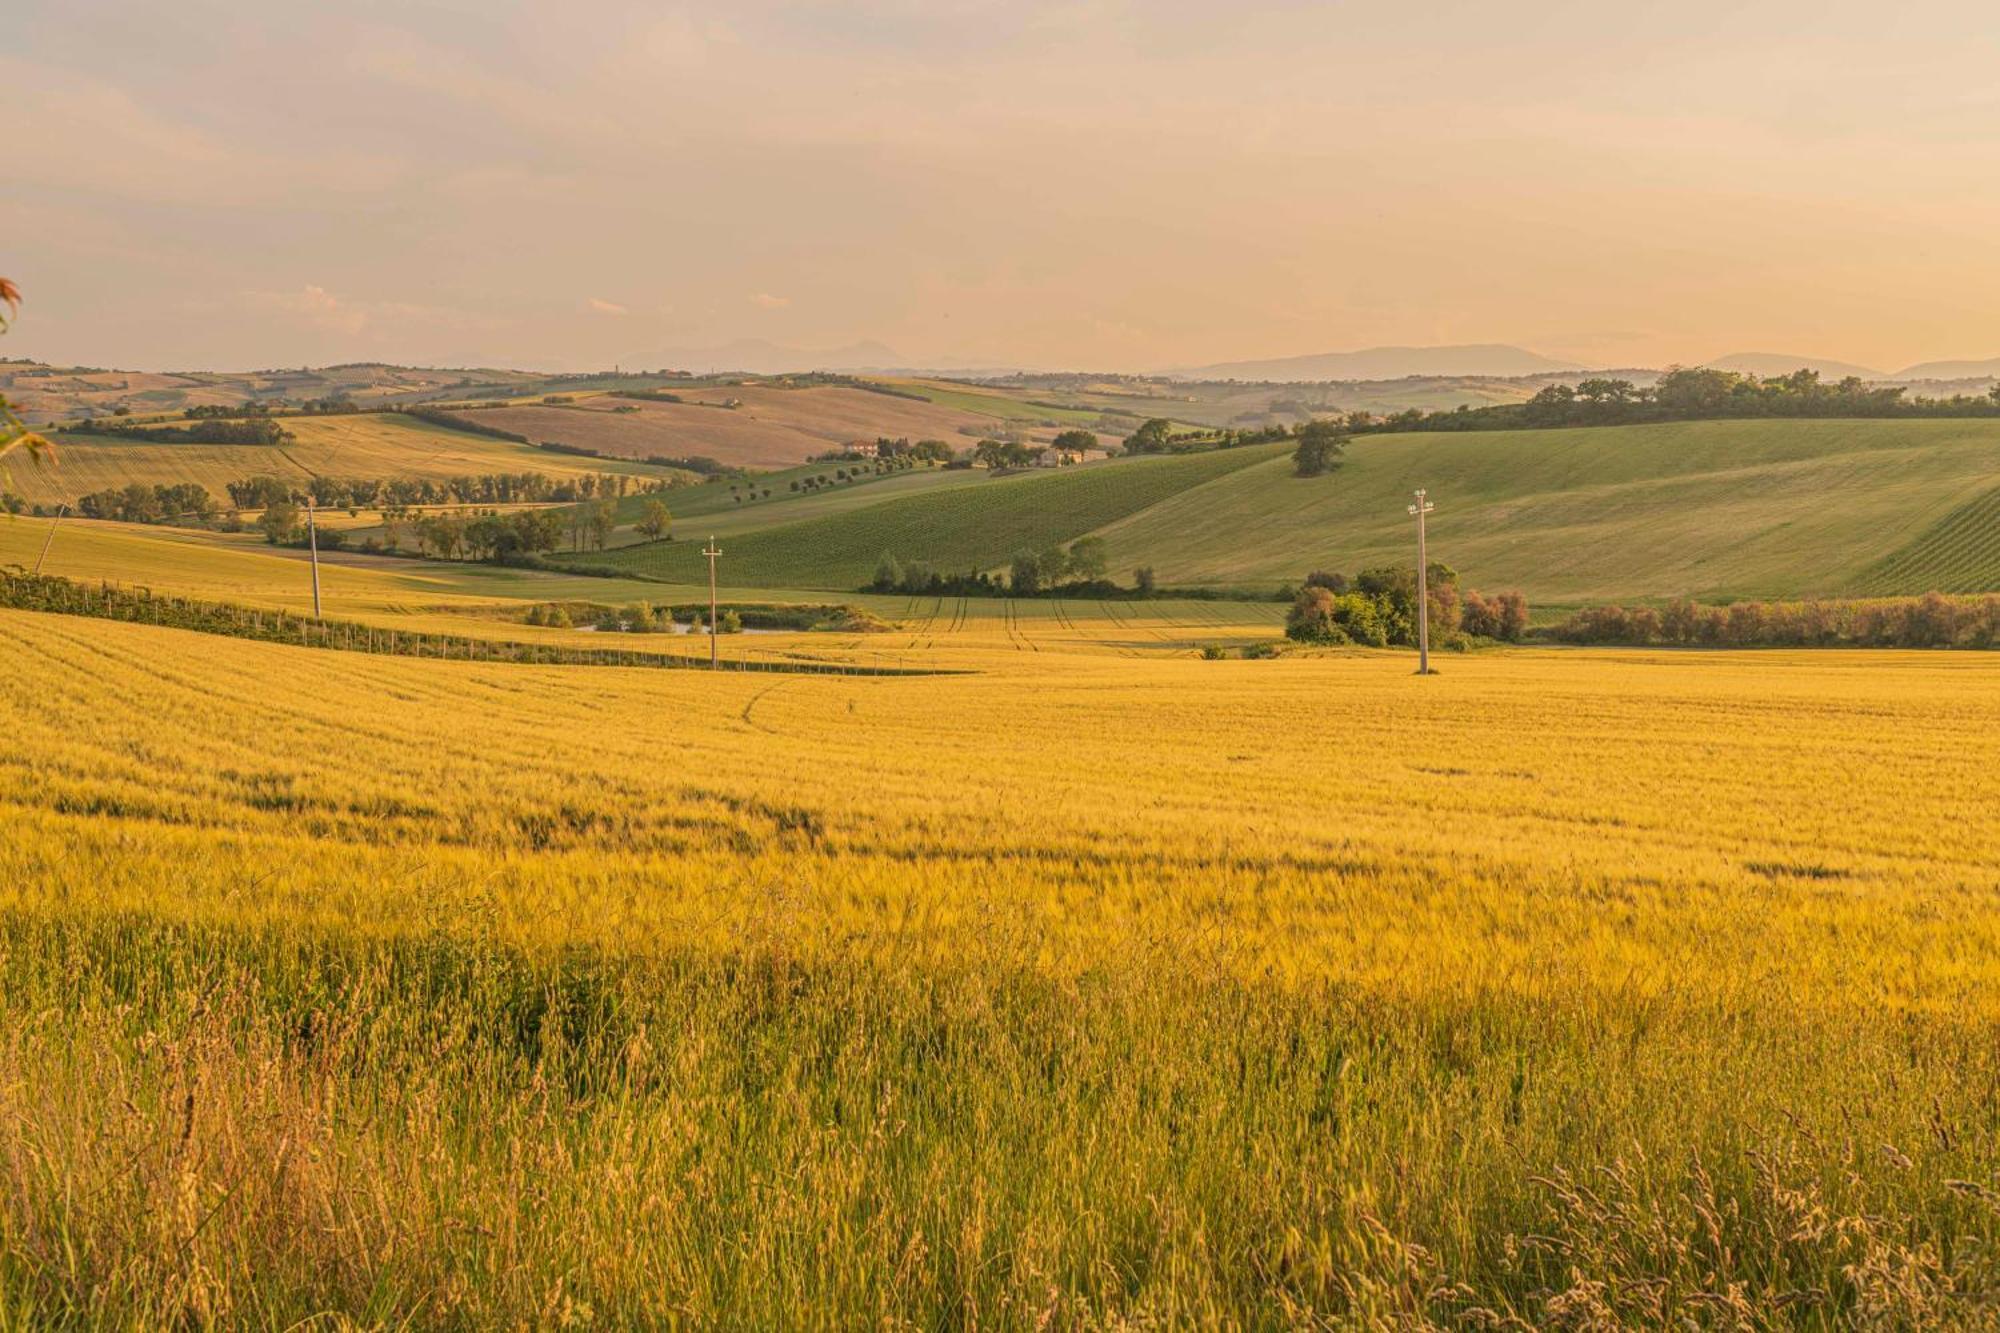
(14, 433)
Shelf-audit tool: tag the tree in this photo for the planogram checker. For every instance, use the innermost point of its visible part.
(1321, 444)
(655, 521)
(1151, 438)
(1143, 580)
(280, 523)
(603, 517)
(537, 529)
(14, 433)
(889, 573)
(1087, 559)
(1393, 590)
(1607, 391)
(1076, 439)
(1025, 575)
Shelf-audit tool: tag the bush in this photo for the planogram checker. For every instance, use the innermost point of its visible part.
(1323, 617)
(1503, 617)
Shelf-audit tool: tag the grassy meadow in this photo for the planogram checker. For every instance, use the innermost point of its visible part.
(1567, 988)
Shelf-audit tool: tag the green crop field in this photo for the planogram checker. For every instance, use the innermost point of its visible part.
(721, 507)
(958, 528)
(992, 402)
(1717, 509)
(1961, 553)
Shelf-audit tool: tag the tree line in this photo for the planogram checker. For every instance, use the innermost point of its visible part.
(1159, 435)
(1930, 621)
(1379, 607)
(192, 503)
(259, 430)
(1683, 393)
(1075, 570)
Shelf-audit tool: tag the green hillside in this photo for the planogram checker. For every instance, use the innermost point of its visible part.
(960, 527)
(1715, 508)
(1959, 553)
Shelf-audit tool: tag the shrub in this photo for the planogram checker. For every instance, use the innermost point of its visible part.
(1320, 616)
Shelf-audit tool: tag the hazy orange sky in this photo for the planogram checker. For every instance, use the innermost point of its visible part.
(1097, 183)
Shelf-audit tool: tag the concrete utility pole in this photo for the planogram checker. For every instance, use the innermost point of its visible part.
(714, 630)
(312, 540)
(49, 540)
(1421, 508)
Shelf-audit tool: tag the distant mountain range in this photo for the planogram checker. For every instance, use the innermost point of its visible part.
(1781, 363)
(1503, 361)
(1953, 370)
(1386, 363)
(1768, 364)
(758, 356)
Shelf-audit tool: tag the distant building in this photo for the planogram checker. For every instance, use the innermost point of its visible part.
(1053, 457)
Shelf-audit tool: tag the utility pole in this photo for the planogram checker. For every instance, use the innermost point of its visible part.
(714, 630)
(49, 540)
(312, 540)
(1421, 508)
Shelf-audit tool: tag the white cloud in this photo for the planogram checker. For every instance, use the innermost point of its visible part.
(766, 301)
(322, 309)
(314, 307)
(604, 307)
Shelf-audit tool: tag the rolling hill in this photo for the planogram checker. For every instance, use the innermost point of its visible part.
(363, 445)
(1952, 370)
(1769, 364)
(1383, 363)
(958, 528)
(1713, 509)
(764, 425)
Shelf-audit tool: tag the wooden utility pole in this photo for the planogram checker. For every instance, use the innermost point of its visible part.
(49, 540)
(1422, 508)
(312, 541)
(714, 630)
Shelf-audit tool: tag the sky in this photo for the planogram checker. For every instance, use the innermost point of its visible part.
(1092, 184)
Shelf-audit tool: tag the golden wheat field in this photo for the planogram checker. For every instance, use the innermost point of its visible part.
(1081, 989)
